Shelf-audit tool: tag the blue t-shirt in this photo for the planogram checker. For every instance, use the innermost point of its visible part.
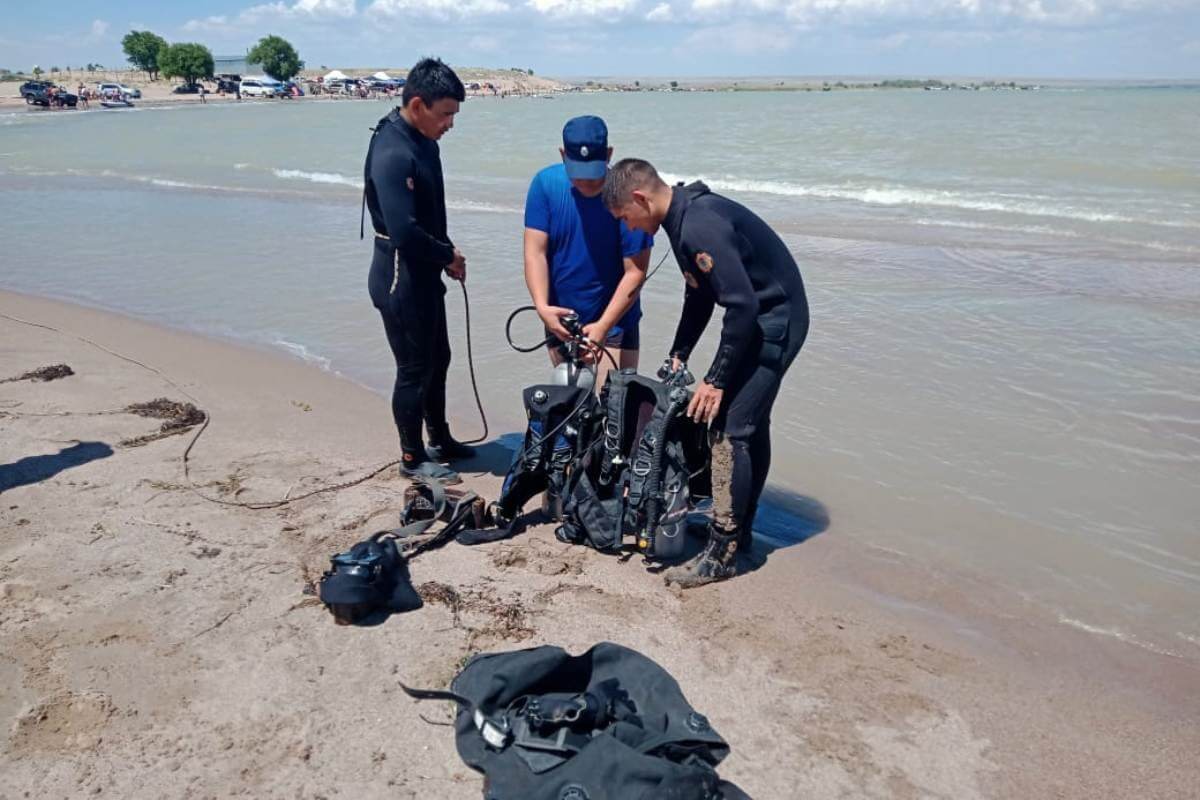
(587, 245)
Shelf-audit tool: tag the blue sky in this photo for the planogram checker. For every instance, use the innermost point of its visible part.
(1035, 38)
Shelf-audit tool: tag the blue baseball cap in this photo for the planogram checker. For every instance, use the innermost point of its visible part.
(585, 141)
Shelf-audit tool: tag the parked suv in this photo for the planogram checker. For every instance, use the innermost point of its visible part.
(38, 93)
(109, 89)
(257, 87)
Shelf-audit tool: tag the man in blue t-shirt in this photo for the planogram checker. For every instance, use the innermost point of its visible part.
(578, 257)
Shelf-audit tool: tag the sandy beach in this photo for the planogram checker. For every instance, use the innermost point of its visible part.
(154, 643)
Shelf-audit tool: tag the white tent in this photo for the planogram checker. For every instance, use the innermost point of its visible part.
(382, 76)
(336, 75)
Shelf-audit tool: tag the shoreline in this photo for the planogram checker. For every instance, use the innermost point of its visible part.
(856, 669)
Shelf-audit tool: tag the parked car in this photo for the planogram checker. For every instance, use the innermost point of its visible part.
(34, 88)
(186, 88)
(110, 89)
(260, 87)
(37, 93)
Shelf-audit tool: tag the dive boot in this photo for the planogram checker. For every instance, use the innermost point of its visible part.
(745, 540)
(429, 470)
(716, 562)
(444, 447)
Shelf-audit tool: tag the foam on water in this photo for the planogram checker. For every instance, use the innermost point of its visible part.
(304, 354)
(1024, 205)
(1120, 635)
(318, 177)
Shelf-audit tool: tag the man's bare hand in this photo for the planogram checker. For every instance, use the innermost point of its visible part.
(457, 269)
(706, 402)
(552, 319)
(596, 333)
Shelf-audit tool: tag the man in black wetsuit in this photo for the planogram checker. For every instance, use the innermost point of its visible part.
(404, 192)
(731, 258)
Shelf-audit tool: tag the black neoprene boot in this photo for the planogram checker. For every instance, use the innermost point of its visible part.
(416, 463)
(444, 447)
(430, 470)
(745, 540)
(716, 562)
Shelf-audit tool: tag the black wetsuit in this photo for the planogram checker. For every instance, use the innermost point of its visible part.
(731, 258)
(405, 195)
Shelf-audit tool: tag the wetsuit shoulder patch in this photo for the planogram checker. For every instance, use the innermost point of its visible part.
(704, 262)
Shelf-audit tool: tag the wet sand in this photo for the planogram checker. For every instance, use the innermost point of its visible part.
(154, 643)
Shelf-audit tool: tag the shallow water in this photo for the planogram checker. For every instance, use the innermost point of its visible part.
(1003, 373)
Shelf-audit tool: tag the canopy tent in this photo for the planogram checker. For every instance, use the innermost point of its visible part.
(382, 76)
(336, 75)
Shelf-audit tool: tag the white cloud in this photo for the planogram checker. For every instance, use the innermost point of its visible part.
(583, 8)
(740, 37)
(893, 41)
(325, 8)
(99, 28)
(1055, 12)
(660, 13)
(441, 9)
(277, 11)
(206, 24)
(484, 44)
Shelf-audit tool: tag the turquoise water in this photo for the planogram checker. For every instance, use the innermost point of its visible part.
(1003, 374)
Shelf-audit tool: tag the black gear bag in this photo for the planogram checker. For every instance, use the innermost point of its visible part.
(609, 724)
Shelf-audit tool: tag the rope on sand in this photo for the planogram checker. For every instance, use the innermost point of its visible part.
(191, 485)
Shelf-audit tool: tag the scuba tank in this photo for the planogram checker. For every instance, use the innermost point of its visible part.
(573, 372)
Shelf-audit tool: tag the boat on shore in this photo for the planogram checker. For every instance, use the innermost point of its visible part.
(116, 104)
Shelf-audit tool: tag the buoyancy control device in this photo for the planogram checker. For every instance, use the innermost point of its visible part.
(639, 477)
(628, 463)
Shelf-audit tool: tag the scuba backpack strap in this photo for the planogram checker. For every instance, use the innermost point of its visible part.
(362, 219)
(614, 426)
(496, 732)
(468, 508)
(424, 503)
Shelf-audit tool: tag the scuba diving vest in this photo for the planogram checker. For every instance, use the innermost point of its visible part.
(562, 423)
(636, 478)
(609, 724)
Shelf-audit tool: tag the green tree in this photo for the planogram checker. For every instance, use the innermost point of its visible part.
(37, 72)
(186, 60)
(277, 57)
(142, 49)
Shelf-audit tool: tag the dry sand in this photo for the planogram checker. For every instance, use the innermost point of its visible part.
(156, 644)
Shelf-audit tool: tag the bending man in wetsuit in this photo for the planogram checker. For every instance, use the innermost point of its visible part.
(404, 192)
(729, 258)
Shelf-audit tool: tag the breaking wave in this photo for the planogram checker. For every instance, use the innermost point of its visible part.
(1116, 633)
(1026, 205)
(317, 177)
